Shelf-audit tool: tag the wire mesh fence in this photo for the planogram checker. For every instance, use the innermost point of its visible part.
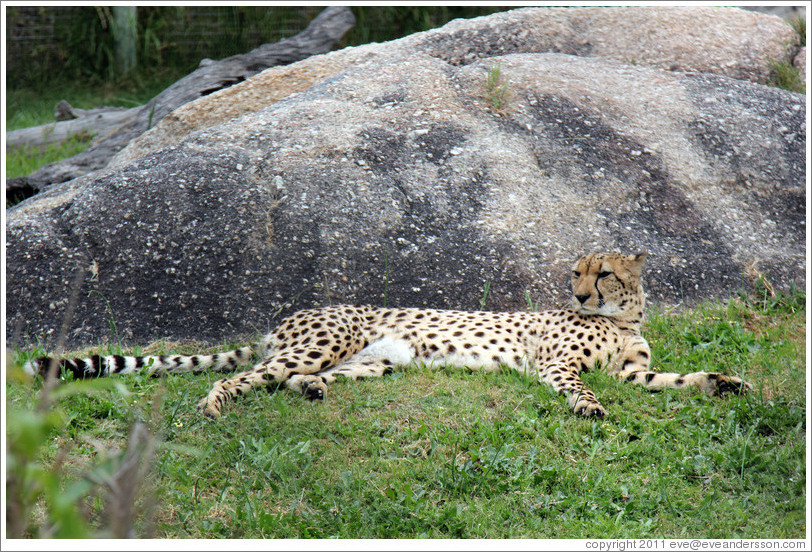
(44, 44)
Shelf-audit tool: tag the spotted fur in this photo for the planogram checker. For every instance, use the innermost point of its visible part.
(311, 348)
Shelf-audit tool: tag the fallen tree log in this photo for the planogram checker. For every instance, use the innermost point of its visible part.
(319, 37)
(91, 123)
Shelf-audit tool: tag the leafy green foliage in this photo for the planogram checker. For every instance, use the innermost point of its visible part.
(764, 299)
(31, 479)
(784, 73)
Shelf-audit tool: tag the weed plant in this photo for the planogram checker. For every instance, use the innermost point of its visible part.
(799, 26)
(496, 86)
(458, 454)
(785, 74)
(787, 77)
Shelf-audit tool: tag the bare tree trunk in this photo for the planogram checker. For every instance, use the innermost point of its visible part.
(319, 37)
(125, 34)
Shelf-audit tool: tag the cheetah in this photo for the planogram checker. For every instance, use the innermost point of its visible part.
(311, 348)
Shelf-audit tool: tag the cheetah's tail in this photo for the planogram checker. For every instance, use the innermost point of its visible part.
(98, 366)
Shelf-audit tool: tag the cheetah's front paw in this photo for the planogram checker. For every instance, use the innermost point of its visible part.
(590, 410)
(585, 404)
(730, 384)
(208, 408)
(314, 389)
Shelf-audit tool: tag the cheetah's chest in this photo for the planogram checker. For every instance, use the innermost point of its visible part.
(582, 341)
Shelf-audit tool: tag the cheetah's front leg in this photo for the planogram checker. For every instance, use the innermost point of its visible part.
(564, 379)
(633, 366)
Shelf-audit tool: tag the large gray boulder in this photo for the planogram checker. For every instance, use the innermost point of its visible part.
(722, 41)
(401, 179)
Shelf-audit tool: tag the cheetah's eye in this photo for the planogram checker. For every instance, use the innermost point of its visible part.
(603, 274)
(576, 274)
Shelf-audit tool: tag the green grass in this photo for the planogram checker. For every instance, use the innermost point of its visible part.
(24, 161)
(455, 454)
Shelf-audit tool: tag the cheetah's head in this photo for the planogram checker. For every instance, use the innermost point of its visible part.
(608, 284)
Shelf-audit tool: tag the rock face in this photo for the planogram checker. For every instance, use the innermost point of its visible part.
(800, 64)
(403, 178)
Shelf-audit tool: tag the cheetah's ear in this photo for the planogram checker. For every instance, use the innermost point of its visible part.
(636, 261)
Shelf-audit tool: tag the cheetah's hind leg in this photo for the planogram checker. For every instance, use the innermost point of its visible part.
(374, 361)
(276, 369)
(314, 386)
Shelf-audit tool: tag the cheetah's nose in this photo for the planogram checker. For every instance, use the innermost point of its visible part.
(582, 298)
